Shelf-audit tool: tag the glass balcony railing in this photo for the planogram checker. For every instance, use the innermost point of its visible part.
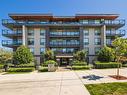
(64, 44)
(116, 33)
(6, 32)
(106, 22)
(11, 43)
(64, 34)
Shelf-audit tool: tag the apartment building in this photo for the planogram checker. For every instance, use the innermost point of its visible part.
(63, 34)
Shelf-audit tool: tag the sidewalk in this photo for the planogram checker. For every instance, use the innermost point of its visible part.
(55, 83)
(50, 83)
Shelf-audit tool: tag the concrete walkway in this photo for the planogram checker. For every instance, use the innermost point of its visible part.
(55, 83)
(50, 83)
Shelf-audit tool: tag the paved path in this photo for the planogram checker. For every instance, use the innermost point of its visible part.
(55, 83)
(50, 83)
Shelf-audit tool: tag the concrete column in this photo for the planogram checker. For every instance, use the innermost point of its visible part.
(23, 35)
(47, 37)
(81, 37)
(103, 35)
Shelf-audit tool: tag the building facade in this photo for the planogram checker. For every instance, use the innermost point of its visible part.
(62, 34)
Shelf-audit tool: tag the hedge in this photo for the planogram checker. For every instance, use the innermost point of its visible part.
(102, 65)
(79, 63)
(22, 65)
(43, 69)
(81, 67)
(1, 66)
(20, 69)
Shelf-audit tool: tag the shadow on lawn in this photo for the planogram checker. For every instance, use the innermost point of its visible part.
(92, 77)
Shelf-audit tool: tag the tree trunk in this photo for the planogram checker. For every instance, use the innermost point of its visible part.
(118, 67)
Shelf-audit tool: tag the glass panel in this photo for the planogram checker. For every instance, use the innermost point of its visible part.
(31, 32)
(32, 50)
(30, 41)
(42, 32)
(42, 50)
(97, 32)
(42, 41)
(97, 49)
(86, 32)
(97, 41)
(86, 41)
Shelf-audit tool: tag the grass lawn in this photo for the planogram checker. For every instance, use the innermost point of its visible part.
(107, 89)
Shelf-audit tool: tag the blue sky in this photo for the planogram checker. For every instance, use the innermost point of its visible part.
(62, 7)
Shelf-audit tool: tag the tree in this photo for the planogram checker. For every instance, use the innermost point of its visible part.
(5, 58)
(106, 54)
(23, 55)
(120, 48)
(48, 55)
(80, 55)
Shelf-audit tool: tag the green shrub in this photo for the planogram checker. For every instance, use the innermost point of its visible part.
(1, 66)
(102, 65)
(43, 69)
(79, 63)
(81, 67)
(50, 62)
(124, 65)
(20, 69)
(22, 65)
(106, 54)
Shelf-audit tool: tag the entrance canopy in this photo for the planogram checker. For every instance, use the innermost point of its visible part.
(64, 56)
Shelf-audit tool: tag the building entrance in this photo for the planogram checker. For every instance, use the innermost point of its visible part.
(64, 61)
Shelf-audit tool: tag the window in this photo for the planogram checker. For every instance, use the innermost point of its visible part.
(42, 50)
(97, 41)
(86, 49)
(31, 32)
(97, 21)
(84, 21)
(108, 41)
(108, 32)
(86, 32)
(86, 41)
(91, 21)
(42, 41)
(97, 32)
(32, 50)
(42, 32)
(30, 41)
(97, 49)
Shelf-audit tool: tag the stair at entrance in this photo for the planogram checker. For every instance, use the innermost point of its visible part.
(63, 68)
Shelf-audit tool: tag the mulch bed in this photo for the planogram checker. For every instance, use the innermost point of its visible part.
(118, 77)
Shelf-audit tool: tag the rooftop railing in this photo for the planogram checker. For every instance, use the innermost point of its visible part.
(106, 22)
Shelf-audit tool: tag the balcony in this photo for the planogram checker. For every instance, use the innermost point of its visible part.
(64, 45)
(11, 34)
(118, 33)
(115, 23)
(11, 44)
(64, 34)
(10, 23)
